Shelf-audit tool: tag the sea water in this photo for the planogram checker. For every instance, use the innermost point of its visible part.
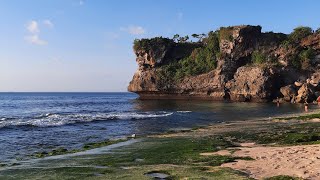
(35, 122)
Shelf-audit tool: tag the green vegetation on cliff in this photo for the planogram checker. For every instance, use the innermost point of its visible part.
(296, 36)
(180, 57)
(302, 59)
(226, 33)
(305, 57)
(201, 60)
(151, 44)
(258, 57)
(299, 33)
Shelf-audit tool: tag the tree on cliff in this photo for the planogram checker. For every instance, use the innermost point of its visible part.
(176, 37)
(195, 36)
(199, 36)
(183, 39)
(299, 33)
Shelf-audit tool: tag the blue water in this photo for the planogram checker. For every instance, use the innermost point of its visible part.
(33, 122)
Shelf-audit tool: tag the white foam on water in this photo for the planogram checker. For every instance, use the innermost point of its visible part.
(50, 119)
(184, 111)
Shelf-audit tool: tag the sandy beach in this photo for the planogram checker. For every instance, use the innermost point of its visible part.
(297, 161)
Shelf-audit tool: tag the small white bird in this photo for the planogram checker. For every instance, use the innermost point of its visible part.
(133, 135)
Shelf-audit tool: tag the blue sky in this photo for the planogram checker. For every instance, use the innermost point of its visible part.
(86, 45)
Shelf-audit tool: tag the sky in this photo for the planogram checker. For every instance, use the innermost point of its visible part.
(86, 45)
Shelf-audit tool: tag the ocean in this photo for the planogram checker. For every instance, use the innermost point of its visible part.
(35, 122)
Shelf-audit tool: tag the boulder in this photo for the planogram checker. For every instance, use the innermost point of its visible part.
(298, 84)
(305, 93)
(315, 79)
(288, 92)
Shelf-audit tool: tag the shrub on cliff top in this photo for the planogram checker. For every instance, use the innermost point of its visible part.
(202, 59)
(226, 33)
(296, 36)
(299, 33)
(212, 41)
(153, 43)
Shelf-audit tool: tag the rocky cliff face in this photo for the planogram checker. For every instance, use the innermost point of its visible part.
(250, 66)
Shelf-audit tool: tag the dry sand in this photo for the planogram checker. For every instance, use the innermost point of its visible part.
(298, 161)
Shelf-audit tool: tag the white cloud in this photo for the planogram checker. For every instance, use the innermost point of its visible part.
(33, 27)
(34, 31)
(34, 39)
(48, 23)
(134, 30)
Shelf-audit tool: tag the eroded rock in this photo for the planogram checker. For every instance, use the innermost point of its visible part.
(288, 92)
(235, 77)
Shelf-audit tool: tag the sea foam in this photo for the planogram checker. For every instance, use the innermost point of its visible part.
(51, 119)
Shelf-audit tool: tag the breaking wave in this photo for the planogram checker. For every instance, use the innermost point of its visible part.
(50, 119)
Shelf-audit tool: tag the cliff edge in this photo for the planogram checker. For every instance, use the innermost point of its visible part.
(238, 63)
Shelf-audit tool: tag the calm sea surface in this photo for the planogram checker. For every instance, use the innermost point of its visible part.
(32, 122)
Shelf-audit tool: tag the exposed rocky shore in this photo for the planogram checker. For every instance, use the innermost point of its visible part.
(248, 65)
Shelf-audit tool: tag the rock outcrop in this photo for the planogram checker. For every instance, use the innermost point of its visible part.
(236, 76)
(288, 92)
(252, 84)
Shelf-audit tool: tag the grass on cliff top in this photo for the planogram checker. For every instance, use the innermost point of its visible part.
(151, 44)
(226, 33)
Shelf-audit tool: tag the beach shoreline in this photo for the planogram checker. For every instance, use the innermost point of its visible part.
(212, 151)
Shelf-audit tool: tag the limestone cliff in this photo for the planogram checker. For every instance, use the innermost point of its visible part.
(238, 63)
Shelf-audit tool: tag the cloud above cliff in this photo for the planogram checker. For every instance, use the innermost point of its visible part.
(34, 39)
(134, 30)
(33, 28)
(48, 23)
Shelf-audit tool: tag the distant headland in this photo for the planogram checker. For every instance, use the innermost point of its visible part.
(237, 63)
